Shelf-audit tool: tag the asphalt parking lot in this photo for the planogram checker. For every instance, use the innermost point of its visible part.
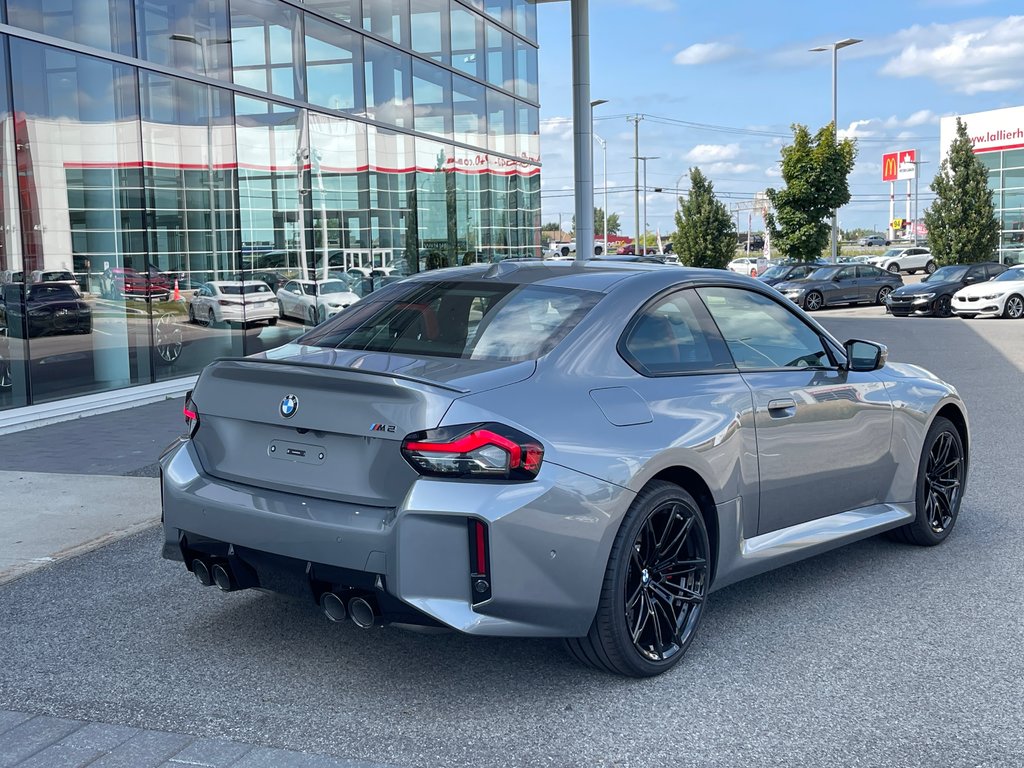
(878, 654)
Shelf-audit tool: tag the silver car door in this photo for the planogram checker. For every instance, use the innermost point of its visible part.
(823, 433)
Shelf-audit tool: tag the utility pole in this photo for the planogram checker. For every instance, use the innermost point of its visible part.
(636, 177)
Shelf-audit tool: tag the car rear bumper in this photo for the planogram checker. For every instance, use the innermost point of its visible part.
(251, 313)
(548, 544)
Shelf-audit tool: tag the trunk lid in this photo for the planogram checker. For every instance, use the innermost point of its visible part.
(342, 439)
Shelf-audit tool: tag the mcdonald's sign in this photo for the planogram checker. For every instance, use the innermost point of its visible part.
(890, 166)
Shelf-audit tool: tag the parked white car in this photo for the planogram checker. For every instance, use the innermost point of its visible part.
(54, 276)
(910, 260)
(748, 265)
(1002, 296)
(231, 301)
(314, 301)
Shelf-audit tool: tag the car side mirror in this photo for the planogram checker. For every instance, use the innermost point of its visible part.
(865, 355)
(970, 279)
(195, 293)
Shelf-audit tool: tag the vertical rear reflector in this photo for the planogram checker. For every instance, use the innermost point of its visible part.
(479, 561)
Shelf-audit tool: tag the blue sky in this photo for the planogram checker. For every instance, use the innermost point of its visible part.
(745, 67)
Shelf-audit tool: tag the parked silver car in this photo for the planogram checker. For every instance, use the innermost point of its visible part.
(583, 451)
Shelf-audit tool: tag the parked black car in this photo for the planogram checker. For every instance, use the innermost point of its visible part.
(45, 309)
(841, 284)
(934, 294)
(795, 270)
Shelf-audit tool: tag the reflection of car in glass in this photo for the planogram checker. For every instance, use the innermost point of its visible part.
(841, 284)
(545, 449)
(11, 276)
(313, 302)
(118, 282)
(934, 294)
(54, 276)
(748, 265)
(45, 309)
(225, 301)
(1002, 296)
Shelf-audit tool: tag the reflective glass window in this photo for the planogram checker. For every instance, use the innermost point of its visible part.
(105, 24)
(1013, 158)
(81, 122)
(500, 10)
(392, 207)
(1013, 178)
(192, 35)
(342, 10)
(469, 103)
(428, 21)
(528, 131)
(469, 53)
(388, 84)
(388, 19)
(1012, 198)
(432, 98)
(524, 17)
(501, 122)
(334, 71)
(436, 225)
(263, 47)
(526, 70)
(500, 55)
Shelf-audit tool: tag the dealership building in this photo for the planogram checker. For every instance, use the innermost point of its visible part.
(151, 146)
(998, 137)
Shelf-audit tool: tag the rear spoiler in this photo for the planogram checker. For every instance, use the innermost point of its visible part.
(343, 368)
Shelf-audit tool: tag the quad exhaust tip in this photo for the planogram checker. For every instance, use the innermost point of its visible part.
(202, 572)
(222, 577)
(333, 606)
(362, 613)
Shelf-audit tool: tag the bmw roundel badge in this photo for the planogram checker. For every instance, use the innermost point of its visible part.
(289, 405)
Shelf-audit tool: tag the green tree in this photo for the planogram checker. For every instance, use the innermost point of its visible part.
(613, 223)
(962, 224)
(816, 171)
(705, 235)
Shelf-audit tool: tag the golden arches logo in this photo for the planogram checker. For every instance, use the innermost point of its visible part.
(890, 167)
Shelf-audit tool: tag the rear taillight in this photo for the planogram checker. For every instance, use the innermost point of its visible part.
(479, 451)
(479, 561)
(191, 414)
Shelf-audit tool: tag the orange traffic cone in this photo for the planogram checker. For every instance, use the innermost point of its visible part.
(177, 293)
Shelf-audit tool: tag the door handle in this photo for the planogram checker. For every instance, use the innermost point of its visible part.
(782, 404)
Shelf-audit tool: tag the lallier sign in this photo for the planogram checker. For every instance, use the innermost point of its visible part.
(899, 166)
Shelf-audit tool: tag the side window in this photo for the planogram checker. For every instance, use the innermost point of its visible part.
(977, 273)
(762, 333)
(847, 273)
(674, 335)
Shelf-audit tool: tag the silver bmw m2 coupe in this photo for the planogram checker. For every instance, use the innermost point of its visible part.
(574, 450)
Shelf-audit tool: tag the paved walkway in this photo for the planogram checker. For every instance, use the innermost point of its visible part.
(68, 488)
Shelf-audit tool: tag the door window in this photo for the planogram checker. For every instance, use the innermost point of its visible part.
(674, 335)
(760, 333)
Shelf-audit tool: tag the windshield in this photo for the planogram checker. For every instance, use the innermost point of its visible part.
(1016, 273)
(467, 320)
(775, 272)
(946, 275)
(332, 286)
(891, 252)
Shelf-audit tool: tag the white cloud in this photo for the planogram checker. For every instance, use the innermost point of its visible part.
(705, 53)
(654, 5)
(729, 168)
(773, 171)
(556, 127)
(710, 153)
(975, 56)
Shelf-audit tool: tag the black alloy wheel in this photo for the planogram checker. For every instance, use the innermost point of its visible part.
(655, 587)
(943, 306)
(940, 486)
(1014, 308)
(813, 301)
(883, 294)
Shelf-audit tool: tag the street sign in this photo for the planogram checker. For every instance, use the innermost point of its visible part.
(890, 166)
(908, 165)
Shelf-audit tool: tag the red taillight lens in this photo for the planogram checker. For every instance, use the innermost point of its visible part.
(191, 414)
(482, 451)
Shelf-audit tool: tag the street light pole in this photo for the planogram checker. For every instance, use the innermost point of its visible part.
(645, 159)
(834, 47)
(604, 150)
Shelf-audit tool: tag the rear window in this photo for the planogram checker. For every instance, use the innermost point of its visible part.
(249, 288)
(468, 320)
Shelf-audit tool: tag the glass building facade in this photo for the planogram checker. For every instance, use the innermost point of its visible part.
(161, 160)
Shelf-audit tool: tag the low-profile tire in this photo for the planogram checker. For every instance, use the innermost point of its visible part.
(929, 267)
(211, 319)
(280, 308)
(311, 315)
(883, 292)
(191, 314)
(941, 475)
(1014, 307)
(654, 589)
(943, 306)
(813, 301)
(894, 268)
